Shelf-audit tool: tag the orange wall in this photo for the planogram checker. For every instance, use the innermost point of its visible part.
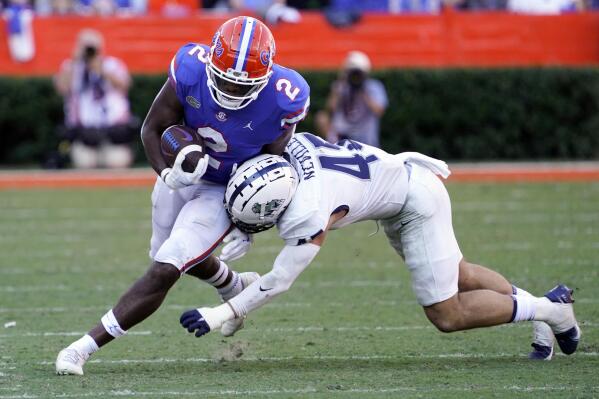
(450, 39)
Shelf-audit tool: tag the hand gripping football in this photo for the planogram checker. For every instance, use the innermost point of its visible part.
(177, 137)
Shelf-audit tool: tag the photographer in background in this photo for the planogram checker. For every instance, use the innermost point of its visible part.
(355, 104)
(98, 122)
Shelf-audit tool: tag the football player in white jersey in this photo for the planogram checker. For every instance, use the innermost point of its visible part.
(321, 186)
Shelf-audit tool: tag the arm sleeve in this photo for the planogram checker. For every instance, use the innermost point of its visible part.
(290, 263)
(306, 215)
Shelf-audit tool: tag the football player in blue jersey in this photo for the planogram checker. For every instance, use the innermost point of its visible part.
(242, 104)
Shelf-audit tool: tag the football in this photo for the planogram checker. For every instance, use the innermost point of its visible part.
(177, 137)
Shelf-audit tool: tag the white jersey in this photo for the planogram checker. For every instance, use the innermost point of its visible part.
(366, 181)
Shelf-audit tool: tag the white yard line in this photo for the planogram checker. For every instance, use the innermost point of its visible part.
(284, 330)
(276, 359)
(63, 334)
(264, 330)
(303, 391)
(324, 284)
(63, 309)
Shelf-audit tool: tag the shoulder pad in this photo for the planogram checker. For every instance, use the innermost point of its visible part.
(189, 64)
(292, 94)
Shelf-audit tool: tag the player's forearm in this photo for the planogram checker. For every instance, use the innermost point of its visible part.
(253, 297)
(290, 263)
(164, 112)
(150, 137)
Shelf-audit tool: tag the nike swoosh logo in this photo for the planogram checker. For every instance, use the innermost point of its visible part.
(265, 289)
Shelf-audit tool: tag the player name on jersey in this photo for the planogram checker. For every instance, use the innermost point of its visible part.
(302, 155)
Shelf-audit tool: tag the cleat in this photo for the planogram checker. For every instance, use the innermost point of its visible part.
(542, 342)
(541, 352)
(565, 328)
(229, 328)
(70, 361)
(568, 340)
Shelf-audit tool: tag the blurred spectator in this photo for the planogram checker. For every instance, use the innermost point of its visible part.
(273, 11)
(97, 116)
(360, 6)
(91, 7)
(544, 6)
(176, 9)
(477, 5)
(62, 7)
(393, 6)
(19, 27)
(308, 4)
(355, 104)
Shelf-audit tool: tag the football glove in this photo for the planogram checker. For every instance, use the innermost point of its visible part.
(201, 321)
(237, 245)
(176, 177)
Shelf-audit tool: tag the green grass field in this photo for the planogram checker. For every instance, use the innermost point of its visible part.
(350, 327)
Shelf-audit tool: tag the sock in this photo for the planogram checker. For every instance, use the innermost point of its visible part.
(85, 345)
(542, 334)
(532, 308)
(111, 325)
(520, 291)
(226, 281)
(524, 308)
(232, 289)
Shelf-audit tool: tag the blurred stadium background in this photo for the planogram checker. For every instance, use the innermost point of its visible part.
(506, 90)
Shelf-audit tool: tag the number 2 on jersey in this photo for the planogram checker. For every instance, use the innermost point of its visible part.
(201, 53)
(285, 84)
(214, 140)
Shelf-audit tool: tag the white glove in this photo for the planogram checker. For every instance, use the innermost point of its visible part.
(176, 177)
(238, 244)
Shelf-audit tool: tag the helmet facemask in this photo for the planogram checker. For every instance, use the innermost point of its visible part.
(222, 84)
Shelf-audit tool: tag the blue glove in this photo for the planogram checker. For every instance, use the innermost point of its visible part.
(193, 320)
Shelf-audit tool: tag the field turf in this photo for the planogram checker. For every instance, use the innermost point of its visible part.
(350, 326)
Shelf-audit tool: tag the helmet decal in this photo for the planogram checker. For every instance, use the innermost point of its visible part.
(267, 209)
(218, 47)
(265, 57)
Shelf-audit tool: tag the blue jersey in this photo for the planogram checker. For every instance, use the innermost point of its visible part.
(234, 136)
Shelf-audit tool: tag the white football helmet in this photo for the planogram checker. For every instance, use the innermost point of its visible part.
(259, 192)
